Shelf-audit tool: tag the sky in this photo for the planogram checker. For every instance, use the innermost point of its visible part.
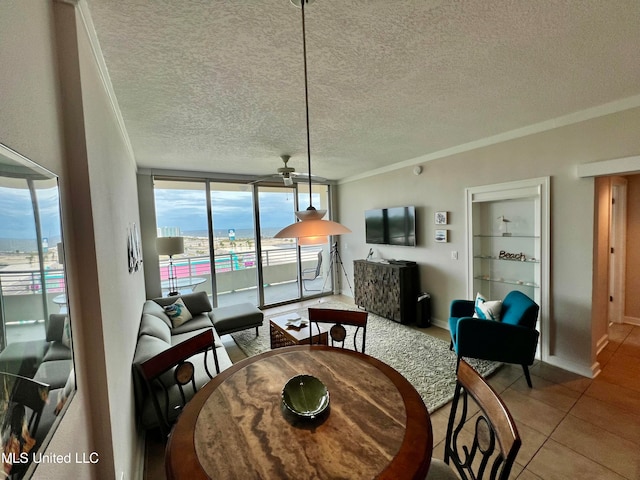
(16, 213)
(185, 209)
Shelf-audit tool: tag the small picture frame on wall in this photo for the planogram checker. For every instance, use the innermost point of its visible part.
(442, 218)
(442, 236)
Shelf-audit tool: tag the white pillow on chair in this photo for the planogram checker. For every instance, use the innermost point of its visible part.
(487, 309)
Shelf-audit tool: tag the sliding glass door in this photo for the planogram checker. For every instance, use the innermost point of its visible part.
(279, 256)
(181, 211)
(317, 260)
(32, 282)
(232, 226)
(234, 243)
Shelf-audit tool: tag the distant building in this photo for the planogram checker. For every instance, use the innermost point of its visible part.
(169, 232)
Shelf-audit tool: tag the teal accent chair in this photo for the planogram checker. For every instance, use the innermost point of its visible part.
(512, 339)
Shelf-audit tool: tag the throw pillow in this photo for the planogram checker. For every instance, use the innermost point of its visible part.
(476, 306)
(66, 333)
(487, 309)
(178, 313)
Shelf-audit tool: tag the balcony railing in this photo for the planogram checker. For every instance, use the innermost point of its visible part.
(20, 288)
(25, 282)
(199, 266)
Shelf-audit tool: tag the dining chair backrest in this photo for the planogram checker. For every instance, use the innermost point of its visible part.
(492, 450)
(339, 318)
(23, 400)
(172, 378)
(29, 394)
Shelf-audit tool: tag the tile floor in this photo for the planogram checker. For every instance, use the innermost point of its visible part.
(571, 426)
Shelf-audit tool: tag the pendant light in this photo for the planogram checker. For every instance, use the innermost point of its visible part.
(310, 229)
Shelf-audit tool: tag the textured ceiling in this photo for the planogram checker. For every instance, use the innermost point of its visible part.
(218, 85)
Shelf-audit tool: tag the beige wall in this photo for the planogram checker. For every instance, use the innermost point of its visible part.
(555, 153)
(98, 187)
(114, 206)
(632, 296)
(78, 138)
(30, 119)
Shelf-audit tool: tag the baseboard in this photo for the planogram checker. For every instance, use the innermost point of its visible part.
(632, 320)
(595, 370)
(602, 343)
(584, 370)
(440, 323)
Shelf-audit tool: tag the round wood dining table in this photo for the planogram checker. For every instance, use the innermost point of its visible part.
(235, 427)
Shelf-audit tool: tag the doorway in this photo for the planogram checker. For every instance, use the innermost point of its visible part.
(617, 220)
(617, 248)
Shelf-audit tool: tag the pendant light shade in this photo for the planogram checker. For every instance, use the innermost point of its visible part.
(310, 229)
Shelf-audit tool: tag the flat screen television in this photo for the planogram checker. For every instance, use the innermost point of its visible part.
(391, 226)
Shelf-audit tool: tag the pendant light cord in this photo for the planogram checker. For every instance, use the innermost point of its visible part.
(306, 101)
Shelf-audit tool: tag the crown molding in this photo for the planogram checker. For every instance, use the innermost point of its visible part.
(563, 121)
(85, 16)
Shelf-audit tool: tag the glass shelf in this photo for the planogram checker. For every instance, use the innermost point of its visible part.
(489, 257)
(507, 281)
(505, 236)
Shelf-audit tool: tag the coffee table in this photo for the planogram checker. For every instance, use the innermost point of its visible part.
(283, 335)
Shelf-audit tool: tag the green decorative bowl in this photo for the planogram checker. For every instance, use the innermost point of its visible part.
(305, 396)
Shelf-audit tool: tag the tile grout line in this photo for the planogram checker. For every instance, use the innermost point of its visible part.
(582, 394)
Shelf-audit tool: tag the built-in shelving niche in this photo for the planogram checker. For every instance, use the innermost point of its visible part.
(508, 244)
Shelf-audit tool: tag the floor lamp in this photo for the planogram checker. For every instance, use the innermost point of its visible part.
(336, 262)
(171, 246)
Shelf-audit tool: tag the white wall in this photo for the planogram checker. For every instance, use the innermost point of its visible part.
(114, 206)
(54, 110)
(30, 122)
(441, 186)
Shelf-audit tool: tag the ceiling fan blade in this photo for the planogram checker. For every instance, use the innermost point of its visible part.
(264, 179)
(305, 176)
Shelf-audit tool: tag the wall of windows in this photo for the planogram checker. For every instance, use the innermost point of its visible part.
(231, 226)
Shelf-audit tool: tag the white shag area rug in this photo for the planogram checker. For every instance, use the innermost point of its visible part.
(424, 360)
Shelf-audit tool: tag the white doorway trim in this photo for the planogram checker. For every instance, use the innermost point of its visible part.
(617, 248)
(615, 166)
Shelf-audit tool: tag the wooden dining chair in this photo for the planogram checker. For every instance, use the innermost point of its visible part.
(488, 447)
(172, 379)
(23, 400)
(340, 318)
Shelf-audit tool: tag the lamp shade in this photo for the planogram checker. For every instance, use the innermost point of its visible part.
(170, 245)
(312, 228)
(317, 240)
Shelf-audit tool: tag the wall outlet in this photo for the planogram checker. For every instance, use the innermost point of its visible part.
(454, 255)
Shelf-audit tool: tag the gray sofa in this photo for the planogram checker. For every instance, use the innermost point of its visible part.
(49, 361)
(157, 334)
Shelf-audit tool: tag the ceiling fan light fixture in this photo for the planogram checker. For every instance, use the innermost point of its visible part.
(310, 226)
(298, 3)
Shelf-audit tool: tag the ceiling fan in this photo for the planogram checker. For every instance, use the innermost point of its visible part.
(289, 175)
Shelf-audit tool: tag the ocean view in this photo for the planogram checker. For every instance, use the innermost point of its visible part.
(240, 232)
